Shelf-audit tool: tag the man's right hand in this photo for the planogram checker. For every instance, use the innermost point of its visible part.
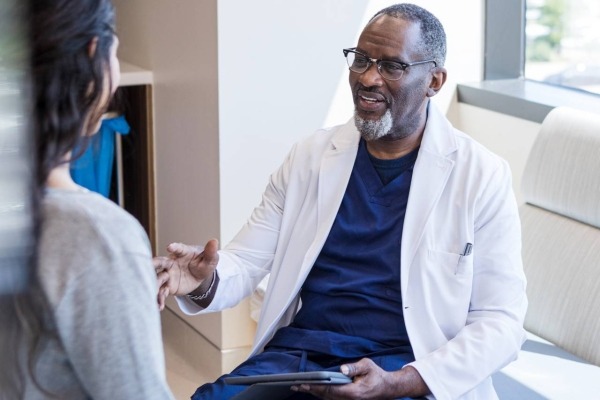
(185, 269)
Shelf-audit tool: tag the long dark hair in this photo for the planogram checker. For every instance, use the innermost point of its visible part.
(68, 82)
(69, 94)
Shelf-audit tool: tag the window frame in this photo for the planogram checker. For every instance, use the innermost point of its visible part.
(504, 88)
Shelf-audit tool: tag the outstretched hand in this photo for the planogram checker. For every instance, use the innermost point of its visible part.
(185, 269)
(369, 381)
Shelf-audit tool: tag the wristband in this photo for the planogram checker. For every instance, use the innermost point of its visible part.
(205, 294)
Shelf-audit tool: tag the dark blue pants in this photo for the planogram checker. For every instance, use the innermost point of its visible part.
(275, 360)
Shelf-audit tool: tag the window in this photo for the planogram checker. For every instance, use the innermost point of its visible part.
(562, 43)
(503, 88)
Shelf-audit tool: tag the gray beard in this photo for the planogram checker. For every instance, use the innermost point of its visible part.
(373, 130)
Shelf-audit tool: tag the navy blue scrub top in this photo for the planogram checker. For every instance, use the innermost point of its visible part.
(351, 300)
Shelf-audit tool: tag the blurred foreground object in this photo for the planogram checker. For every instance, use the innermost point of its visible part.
(16, 153)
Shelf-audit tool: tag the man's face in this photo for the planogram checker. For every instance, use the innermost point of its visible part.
(391, 108)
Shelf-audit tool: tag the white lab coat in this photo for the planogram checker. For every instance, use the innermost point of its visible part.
(464, 315)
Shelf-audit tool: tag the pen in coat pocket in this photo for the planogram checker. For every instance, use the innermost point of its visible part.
(467, 251)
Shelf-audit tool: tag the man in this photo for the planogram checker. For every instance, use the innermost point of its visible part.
(393, 242)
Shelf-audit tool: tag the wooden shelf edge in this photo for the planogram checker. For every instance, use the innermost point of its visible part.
(132, 75)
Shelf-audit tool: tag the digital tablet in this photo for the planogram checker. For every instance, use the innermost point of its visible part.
(289, 379)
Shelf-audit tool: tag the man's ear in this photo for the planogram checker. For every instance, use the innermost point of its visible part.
(92, 47)
(438, 78)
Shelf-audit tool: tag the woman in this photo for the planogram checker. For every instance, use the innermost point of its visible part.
(98, 334)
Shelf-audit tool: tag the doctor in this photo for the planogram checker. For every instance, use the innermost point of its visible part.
(393, 242)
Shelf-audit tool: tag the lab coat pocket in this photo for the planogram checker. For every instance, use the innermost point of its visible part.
(456, 264)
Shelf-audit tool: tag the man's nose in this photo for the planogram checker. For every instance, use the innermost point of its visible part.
(371, 77)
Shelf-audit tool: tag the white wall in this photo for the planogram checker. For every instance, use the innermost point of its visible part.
(282, 75)
(177, 41)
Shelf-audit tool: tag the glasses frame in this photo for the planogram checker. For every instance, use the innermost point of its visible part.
(371, 61)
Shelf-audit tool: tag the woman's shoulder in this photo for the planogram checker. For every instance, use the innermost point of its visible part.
(87, 240)
(85, 215)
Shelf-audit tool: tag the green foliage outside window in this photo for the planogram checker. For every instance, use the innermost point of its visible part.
(547, 46)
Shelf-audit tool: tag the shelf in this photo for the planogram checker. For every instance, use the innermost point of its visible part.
(134, 99)
(132, 75)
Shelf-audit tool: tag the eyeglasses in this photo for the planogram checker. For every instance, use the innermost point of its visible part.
(389, 70)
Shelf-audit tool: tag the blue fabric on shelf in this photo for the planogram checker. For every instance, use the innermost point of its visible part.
(93, 170)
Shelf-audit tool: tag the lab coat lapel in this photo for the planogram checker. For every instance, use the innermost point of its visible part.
(334, 174)
(430, 175)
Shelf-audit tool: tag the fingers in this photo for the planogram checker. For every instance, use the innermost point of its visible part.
(162, 277)
(210, 253)
(161, 264)
(348, 369)
(163, 293)
(195, 254)
(211, 246)
(358, 368)
(186, 267)
(181, 250)
(365, 383)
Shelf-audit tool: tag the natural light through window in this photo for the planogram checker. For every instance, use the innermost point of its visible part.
(563, 43)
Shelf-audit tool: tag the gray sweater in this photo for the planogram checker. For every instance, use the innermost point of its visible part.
(95, 268)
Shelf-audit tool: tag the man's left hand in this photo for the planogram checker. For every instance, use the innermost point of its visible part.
(370, 382)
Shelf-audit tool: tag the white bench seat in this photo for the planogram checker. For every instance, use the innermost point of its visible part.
(545, 371)
(561, 258)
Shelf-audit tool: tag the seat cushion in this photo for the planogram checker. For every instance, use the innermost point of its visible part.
(562, 171)
(544, 371)
(561, 232)
(561, 258)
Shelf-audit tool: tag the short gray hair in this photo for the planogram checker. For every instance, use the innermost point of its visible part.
(433, 37)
